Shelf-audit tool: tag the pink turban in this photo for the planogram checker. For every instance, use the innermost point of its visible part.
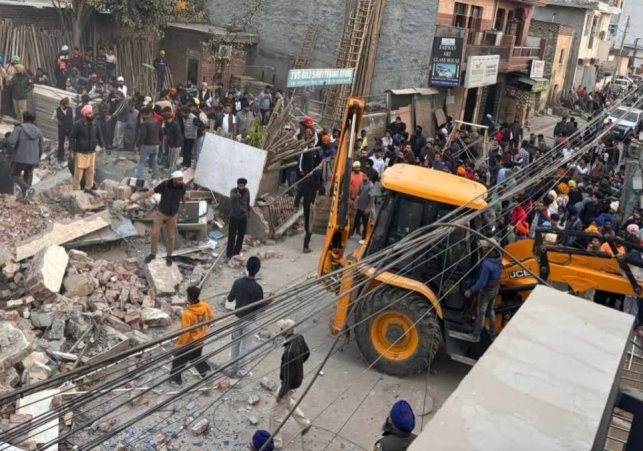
(633, 229)
(87, 109)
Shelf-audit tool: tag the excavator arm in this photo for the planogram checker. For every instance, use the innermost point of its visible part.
(337, 232)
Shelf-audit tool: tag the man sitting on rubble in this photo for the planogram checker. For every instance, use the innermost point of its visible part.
(190, 344)
(172, 192)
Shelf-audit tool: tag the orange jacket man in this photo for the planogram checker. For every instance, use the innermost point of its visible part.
(190, 344)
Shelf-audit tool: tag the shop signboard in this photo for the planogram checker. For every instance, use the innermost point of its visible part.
(298, 78)
(537, 69)
(481, 71)
(446, 62)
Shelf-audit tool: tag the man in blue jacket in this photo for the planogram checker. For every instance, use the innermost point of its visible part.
(487, 287)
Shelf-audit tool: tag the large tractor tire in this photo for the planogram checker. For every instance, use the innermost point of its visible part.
(386, 329)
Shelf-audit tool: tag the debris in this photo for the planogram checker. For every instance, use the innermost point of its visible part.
(118, 324)
(122, 193)
(162, 278)
(154, 317)
(9, 379)
(223, 386)
(57, 330)
(253, 399)
(121, 228)
(268, 384)
(65, 356)
(78, 259)
(17, 303)
(135, 400)
(33, 358)
(78, 285)
(78, 202)
(10, 268)
(46, 272)
(160, 439)
(270, 242)
(61, 232)
(102, 424)
(200, 426)
(38, 404)
(237, 261)
(253, 420)
(14, 346)
(20, 418)
(138, 337)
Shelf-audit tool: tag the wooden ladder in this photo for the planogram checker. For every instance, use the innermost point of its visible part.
(302, 61)
(349, 55)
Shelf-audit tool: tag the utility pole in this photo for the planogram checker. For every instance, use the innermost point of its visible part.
(620, 50)
(636, 47)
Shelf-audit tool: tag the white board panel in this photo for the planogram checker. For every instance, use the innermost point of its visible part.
(222, 161)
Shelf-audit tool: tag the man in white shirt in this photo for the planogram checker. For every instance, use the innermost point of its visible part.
(121, 85)
(226, 121)
(378, 162)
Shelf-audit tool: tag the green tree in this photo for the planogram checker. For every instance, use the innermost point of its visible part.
(138, 14)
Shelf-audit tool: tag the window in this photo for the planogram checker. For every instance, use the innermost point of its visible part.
(460, 15)
(508, 28)
(475, 19)
(500, 19)
(588, 24)
(590, 45)
(562, 56)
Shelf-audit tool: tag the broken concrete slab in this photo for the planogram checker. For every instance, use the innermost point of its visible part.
(14, 345)
(61, 232)
(162, 278)
(78, 202)
(154, 317)
(120, 228)
(123, 345)
(38, 404)
(46, 272)
(78, 285)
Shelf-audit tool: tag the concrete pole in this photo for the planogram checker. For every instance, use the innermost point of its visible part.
(636, 47)
(620, 50)
(630, 198)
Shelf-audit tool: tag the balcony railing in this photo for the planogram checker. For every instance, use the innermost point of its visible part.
(479, 50)
(526, 52)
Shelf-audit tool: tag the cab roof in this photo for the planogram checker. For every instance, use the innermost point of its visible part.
(435, 185)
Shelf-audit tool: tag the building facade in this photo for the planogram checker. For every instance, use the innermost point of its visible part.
(403, 48)
(500, 54)
(559, 40)
(590, 20)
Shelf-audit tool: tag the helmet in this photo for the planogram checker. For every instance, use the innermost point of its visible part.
(162, 52)
(308, 121)
(325, 139)
(64, 48)
(119, 79)
(15, 59)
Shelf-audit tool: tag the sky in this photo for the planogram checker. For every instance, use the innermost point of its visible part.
(633, 8)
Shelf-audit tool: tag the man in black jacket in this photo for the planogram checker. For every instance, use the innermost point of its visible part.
(307, 191)
(239, 211)
(295, 354)
(64, 117)
(84, 138)
(246, 293)
(173, 138)
(149, 138)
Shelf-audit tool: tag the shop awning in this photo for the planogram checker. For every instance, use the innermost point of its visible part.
(537, 84)
(412, 91)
